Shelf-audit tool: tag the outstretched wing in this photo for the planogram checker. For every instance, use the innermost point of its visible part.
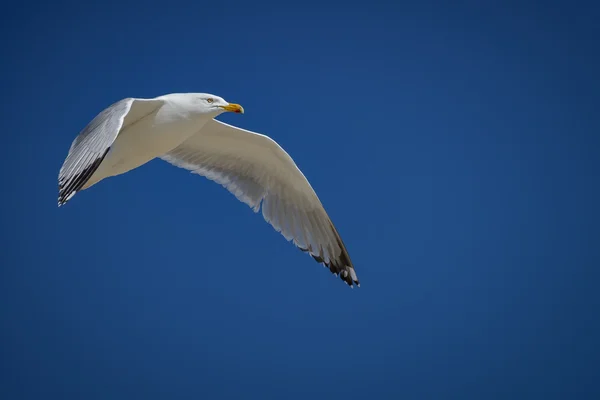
(93, 143)
(257, 170)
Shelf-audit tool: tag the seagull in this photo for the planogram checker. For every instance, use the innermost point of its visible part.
(181, 129)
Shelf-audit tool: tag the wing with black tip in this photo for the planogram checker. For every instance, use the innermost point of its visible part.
(258, 171)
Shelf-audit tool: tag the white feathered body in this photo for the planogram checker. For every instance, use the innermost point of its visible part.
(146, 137)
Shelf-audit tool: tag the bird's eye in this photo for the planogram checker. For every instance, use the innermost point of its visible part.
(210, 100)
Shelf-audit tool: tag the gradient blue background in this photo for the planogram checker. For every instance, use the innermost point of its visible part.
(455, 148)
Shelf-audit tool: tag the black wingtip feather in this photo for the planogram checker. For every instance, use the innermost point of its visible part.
(341, 266)
(66, 189)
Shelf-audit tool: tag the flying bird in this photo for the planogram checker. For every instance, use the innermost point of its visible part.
(181, 128)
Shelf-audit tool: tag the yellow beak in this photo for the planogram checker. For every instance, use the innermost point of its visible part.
(236, 108)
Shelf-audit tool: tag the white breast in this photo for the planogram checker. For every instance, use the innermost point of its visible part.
(147, 139)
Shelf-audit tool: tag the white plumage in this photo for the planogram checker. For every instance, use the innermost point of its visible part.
(180, 129)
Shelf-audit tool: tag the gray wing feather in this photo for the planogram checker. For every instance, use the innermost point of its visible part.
(89, 149)
(259, 172)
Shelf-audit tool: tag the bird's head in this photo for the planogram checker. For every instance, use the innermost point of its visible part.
(207, 103)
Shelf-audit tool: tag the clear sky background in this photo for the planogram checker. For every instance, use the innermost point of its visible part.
(454, 146)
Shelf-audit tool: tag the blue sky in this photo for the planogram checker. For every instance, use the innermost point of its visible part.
(454, 147)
